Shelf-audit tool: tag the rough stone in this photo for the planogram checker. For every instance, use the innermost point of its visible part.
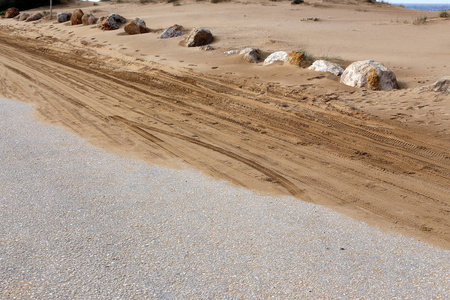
(89, 19)
(369, 74)
(326, 66)
(11, 12)
(34, 17)
(23, 16)
(199, 37)
(136, 26)
(77, 15)
(279, 56)
(251, 55)
(295, 58)
(206, 48)
(111, 22)
(172, 31)
(442, 86)
(63, 17)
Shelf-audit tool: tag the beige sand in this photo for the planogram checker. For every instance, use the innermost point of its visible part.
(381, 157)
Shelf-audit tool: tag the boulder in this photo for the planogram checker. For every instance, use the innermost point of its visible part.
(23, 16)
(136, 26)
(369, 74)
(199, 37)
(88, 19)
(172, 31)
(279, 56)
(251, 55)
(77, 15)
(442, 85)
(111, 22)
(16, 17)
(295, 58)
(63, 17)
(326, 66)
(11, 12)
(34, 17)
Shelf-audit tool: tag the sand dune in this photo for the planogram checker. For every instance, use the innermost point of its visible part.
(381, 157)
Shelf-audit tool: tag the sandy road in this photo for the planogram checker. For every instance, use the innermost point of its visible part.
(259, 136)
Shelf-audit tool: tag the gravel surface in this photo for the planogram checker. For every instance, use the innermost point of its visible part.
(79, 223)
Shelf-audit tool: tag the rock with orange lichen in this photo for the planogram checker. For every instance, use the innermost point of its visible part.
(295, 58)
(77, 16)
(11, 13)
(369, 74)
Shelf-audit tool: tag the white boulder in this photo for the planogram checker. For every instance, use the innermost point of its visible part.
(369, 74)
(279, 56)
(326, 66)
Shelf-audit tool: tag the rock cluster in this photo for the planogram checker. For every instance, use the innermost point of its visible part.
(136, 26)
(199, 37)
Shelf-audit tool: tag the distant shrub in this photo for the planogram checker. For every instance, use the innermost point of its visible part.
(2, 13)
(444, 14)
(420, 20)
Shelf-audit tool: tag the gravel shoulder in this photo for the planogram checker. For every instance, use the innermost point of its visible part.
(79, 223)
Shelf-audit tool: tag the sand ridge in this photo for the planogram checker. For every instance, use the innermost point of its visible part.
(278, 129)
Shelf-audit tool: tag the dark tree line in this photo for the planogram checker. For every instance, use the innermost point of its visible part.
(24, 4)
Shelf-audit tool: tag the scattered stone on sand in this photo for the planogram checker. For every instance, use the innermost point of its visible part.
(77, 15)
(172, 31)
(442, 86)
(11, 12)
(369, 74)
(111, 22)
(34, 17)
(199, 37)
(23, 16)
(63, 17)
(89, 19)
(231, 52)
(326, 66)
(251, 55)
(206, 48)
(279, 56)
(136, 26)
(295, 58)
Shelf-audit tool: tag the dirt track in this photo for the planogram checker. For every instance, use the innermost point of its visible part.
(287, 141)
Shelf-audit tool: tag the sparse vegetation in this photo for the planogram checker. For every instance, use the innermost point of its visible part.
(2, 13)
(420, 20)
(444, 14)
